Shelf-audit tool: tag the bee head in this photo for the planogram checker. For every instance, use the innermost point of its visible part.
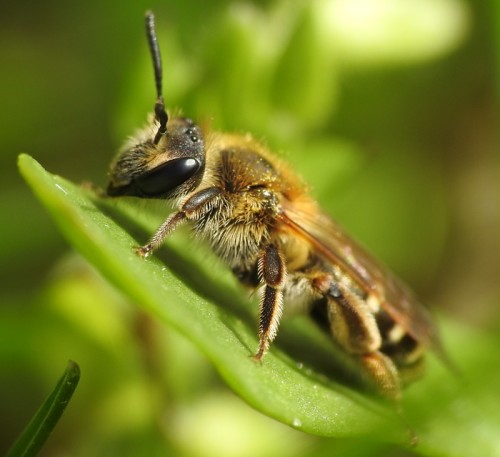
(170, 169)
(167, 163)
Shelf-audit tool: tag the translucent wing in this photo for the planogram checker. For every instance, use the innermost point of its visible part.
(395, 297)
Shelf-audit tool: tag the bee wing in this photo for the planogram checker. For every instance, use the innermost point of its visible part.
(331, 242)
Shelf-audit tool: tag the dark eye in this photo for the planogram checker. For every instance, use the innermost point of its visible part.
(167, 176)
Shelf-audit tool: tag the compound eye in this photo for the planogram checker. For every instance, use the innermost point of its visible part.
(166, 177)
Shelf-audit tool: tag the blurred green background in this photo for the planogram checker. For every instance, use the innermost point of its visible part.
(388, 108)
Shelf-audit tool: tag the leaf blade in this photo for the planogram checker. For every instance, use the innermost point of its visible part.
(277, 387)
(36, 433)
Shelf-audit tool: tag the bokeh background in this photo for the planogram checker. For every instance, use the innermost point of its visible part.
(388, 108)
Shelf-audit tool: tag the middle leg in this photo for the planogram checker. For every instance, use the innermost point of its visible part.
(272, 272)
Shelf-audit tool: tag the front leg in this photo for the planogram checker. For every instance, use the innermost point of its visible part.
(272, 272)
(189, 210)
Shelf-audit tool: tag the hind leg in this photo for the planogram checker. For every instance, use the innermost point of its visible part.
(382, 372)
(354, 327)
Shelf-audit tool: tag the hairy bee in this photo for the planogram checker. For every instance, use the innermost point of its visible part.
(257, 216)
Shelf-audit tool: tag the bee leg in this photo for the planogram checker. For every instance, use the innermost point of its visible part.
(161, 233)
(272, 271)
(190, 208)
(383, 373)
(354, 327)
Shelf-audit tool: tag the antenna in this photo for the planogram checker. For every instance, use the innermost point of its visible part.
(160, 113)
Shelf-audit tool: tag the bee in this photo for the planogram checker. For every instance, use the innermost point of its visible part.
(258, 217)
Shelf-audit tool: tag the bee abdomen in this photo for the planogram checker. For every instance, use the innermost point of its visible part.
(406, 352)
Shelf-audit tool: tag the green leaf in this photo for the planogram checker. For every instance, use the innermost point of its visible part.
(303, 381)
(224, 331)
(39, 429)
